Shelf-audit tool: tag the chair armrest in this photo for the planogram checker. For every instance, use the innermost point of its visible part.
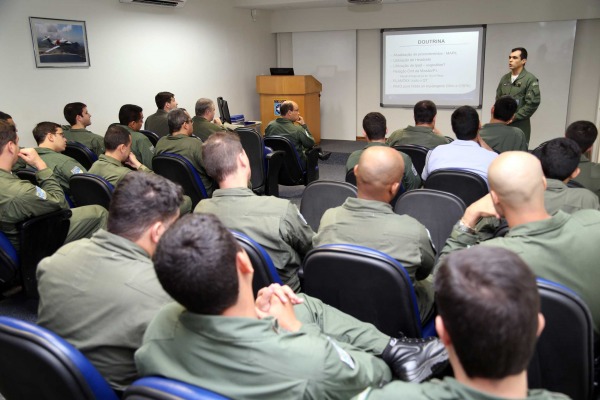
(274, 163)
(312, 164)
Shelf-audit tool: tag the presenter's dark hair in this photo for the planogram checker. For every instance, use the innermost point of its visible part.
(488, 300)
(465, 123)
(219, 154)
(375, 125)
(286, 107)
(522, 50)
(505, 108)
(559, 158)
(116, 135)
(42, 130)
(72, 110)
(424, 112)
(129, 113)
(140, 200)
(176, 118)
(584, 133)
(163, 98)
(195, 262)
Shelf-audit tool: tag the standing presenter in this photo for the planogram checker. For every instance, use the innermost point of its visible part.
(524, 87)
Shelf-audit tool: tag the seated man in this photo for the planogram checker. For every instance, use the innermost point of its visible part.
(20, 200)
(20, 164)
(205, 122)
(291, 125)
(370, 221)
(101, 293)
(498, 134)
(489, 320)
(51, 142)
(562, 248)
(157, 122)
(218, 337)
(375, 128)
(559, 159)
(79, 119)
(469, 152)
(276, 224)
(132, 118)
(180, 142)
(424, 132)
(584, 133)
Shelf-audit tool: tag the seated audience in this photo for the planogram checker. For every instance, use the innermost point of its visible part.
(51, 142)
(276, 224)
(584, 133)
(489, 320)
(205, 122)
(424, 132)
(370, 221)
(468, 152)
(498, 134)
(20, 200)
(157, 122)
(101, 293)
(375, 128)
(559, 159)
(132, 117)
(562, 248)
(79, 119)
(180, 141)
(281, 346)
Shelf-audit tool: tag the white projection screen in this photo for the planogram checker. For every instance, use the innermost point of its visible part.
(444, 65)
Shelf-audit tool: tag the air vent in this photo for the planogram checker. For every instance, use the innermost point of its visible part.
(364, 1)
(161, 3)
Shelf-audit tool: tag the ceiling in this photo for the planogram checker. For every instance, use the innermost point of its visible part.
(295, 4)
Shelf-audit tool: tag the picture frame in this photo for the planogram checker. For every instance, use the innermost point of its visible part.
(59, 43)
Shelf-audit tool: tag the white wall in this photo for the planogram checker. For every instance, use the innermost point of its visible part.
(206, 49)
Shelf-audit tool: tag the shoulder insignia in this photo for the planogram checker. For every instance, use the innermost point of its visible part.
(41, 193)
(344, 356)
(301, 217)
(76, 170)
(151, 148)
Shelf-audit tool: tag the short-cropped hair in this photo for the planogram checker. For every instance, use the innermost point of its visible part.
(465, 123)
(8, 133)
(116, 135)
(584, 133)
(505, 108)
(203, 105)
(424, 112)
(559, 158)
(375, 125)
(219, 154)
(522, 50)
(488, 300)
(129, 113)
(176, 118)
(286, 107)
(42, 130)
(163, 98)
(72, 110)
(195, 262)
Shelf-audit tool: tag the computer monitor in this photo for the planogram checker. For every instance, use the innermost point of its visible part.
(282, 71)
(223, 110)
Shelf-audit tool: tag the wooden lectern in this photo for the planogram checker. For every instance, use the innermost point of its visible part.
(303, 89)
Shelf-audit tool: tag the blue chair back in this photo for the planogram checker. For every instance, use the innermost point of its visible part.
(159, 388)
(38, 364)
(319, 196)
(418, 155)
(81, 153)
(89, 189)
(9, 261)
(178, 169)
(295, 171)
(152, 137)
(468, 186)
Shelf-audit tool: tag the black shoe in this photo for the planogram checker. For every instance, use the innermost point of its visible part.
(324, 155)
(415, 360)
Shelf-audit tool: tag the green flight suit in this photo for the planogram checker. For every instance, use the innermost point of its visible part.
(63, 166)
(141, 146)
(113, 171)
(203, 128)
(501, 137)
(589, 175)
(276, 224)
(299, 135)
(563, 249)
(191, 149)
(526, 91)
(447, 389)
(410, 180)
(20, 200)
(157, 123)
(559, 196)
(100, 294)
(399, 236)
(255, 359)
(89, 139)
(420, 135)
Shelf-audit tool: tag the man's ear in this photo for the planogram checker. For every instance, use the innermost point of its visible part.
(394, 188)
(243, 263)
(575, 173)
(442, 332)
(492, 112)
(541, 324)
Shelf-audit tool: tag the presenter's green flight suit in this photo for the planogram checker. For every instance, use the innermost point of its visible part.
(419, 135)
(299, 135)
(63, 166)
(410, 180)
(203, 128)
(89, 139)
(255, 359)
(158, 123)
(563, 249)
(276, 224)
(559, 196)
(141, 147)
(20, 200)
(191, 149)
(526, 91)
(589, 175)
(501, 137)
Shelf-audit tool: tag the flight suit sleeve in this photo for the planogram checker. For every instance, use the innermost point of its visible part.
(98, 146)
(296, 231)
(305, 137)
(458, 240)
(42, 199)
(411, 179)
(531, 100)
(427, 255)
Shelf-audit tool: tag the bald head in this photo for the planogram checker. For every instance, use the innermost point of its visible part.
(517, 179)
(379, 172)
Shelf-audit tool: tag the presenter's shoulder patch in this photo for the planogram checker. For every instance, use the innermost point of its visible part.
(41, 193)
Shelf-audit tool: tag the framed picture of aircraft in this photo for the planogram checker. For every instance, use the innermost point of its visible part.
(59, 43)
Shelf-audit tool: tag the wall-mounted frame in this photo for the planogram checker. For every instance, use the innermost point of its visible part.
(59, 43)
